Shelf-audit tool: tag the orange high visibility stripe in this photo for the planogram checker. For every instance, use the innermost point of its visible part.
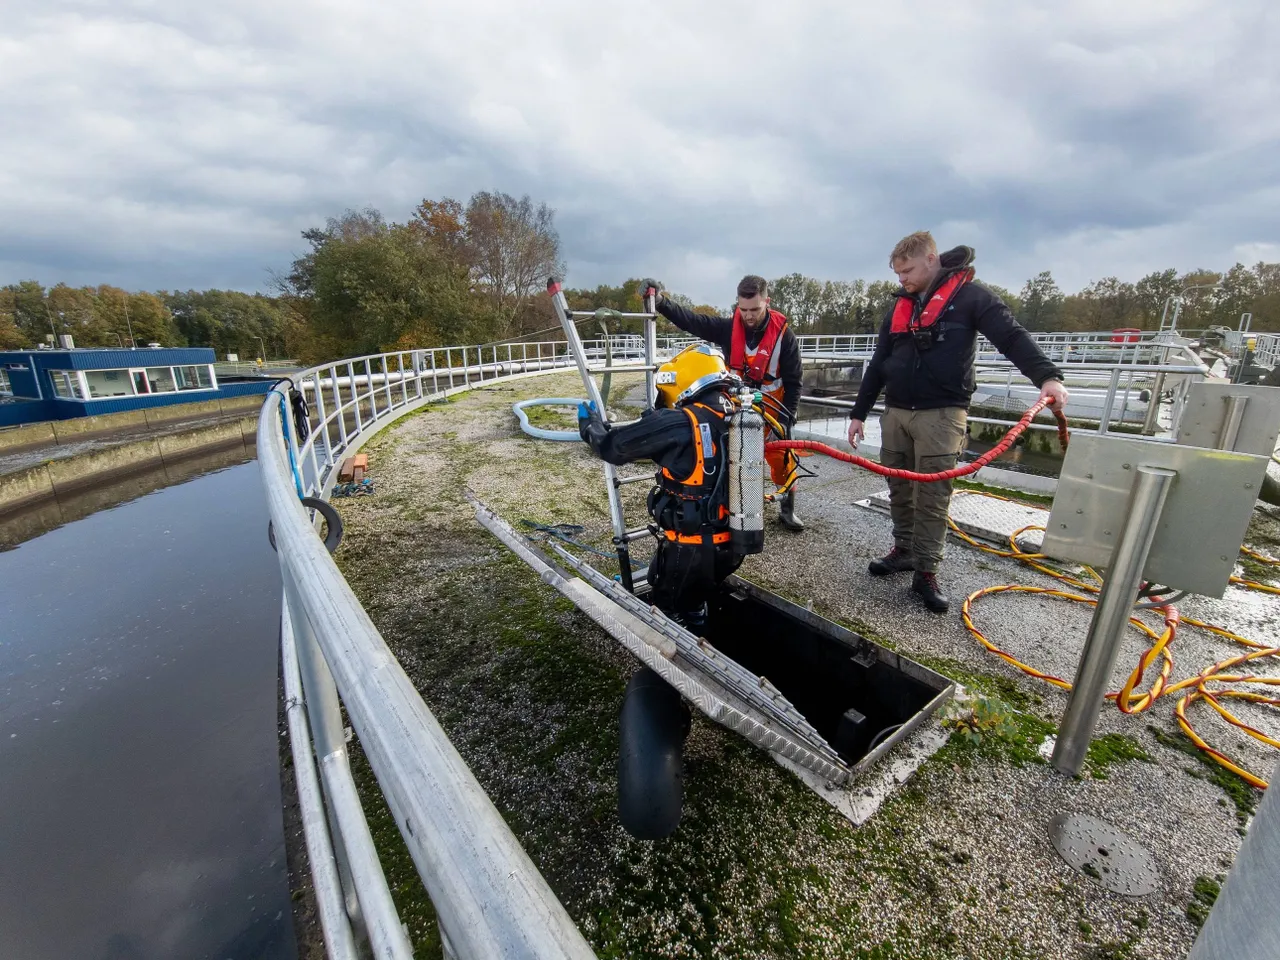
(696, 477)
(721, 537)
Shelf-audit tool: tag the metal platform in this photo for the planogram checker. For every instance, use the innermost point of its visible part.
(982, 517)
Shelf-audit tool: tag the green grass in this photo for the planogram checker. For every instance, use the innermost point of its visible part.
(1204, 894)
(1113, 748)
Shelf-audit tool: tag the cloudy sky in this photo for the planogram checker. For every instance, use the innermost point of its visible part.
(174, 144)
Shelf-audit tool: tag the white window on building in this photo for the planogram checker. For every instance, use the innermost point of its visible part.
(109, 383)
(6, 388)
(66, 384)
(192, 377)
(161, 380)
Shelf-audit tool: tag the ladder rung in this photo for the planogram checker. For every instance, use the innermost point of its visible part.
(651, 478)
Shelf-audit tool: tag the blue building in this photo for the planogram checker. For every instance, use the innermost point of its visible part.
(60, 384)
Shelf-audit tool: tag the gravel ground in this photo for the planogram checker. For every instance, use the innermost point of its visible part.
(957, 864)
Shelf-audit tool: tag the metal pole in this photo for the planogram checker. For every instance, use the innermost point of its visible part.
(330, 905)
(324, 715)
(1231, 425)
(1152, 422)
(593, 394)
(650, 346)
(1115, 606)
(1108, 402)
(1244, 923)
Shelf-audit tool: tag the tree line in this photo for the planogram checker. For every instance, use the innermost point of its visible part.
(455, 273)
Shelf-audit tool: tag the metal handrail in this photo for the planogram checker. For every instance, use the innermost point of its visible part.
(490, 898)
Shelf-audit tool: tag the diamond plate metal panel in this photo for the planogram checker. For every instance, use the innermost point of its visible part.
(1201, 527)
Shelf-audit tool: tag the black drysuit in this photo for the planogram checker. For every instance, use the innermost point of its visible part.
(688, 563)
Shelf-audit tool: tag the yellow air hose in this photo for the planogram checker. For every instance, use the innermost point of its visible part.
(1126, 699)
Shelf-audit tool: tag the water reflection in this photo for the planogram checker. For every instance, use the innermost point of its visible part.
(138, 737)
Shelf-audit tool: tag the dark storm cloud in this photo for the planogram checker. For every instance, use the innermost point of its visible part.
(173, 145)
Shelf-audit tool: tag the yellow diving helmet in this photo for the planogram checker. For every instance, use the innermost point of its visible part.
(691, 371)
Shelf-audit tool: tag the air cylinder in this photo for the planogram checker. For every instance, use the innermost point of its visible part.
(746, 477)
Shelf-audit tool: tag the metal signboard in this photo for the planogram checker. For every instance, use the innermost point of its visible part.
(1231, 416)
(1201, 526)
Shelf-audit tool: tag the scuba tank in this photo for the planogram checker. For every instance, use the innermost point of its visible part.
(746, 477)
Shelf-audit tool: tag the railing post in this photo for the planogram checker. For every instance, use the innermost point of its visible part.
(323, 420)
(324, 716)
(373, 394)
(355, 395)
(339, 408)
(1108, 402)
(1110, 617)
(1152, 421)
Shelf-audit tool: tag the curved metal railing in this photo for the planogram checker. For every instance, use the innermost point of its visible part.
(490, 898)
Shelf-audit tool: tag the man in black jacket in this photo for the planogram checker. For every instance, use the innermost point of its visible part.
(924, 363)
(759, 347)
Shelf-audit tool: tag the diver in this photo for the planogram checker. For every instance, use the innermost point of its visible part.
(685, 436)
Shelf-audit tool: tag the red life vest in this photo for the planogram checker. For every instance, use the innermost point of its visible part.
(941, 299)
(762, 365)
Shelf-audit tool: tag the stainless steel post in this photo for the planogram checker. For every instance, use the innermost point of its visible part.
(324, 716)
(1231, 424)
(1152, 422)
(1244, 923)
(1109, 402)
(650, 346)
(1110, 617)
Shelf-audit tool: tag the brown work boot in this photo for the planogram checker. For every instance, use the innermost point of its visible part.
(926, 584)
(896, 560)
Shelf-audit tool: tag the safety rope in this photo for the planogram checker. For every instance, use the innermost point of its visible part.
(961, 471)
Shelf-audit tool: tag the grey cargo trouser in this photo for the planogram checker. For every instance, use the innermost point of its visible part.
(926, 441)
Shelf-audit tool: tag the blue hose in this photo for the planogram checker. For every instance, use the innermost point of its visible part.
(531, 430)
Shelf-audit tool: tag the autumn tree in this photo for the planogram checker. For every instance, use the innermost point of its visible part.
(513, 247)
(1041, 303)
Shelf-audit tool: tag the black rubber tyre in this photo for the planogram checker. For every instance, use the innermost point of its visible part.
(655, 722)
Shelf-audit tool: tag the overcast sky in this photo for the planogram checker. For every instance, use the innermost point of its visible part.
(175, 144)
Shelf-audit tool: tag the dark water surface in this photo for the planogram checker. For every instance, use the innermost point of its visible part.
(140, 812)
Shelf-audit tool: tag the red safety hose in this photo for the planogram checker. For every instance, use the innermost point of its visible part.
(962, 471)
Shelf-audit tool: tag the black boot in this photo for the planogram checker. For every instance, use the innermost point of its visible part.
(896, 560)
(787, 517)
(926, 584)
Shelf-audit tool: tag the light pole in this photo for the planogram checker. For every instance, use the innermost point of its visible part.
(124, 298)
(118, 339)
(1176, 300)
(264, 347)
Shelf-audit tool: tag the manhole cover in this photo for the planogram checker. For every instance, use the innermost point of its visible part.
(1098, 850)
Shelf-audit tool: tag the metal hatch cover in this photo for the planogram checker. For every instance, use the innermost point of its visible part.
(1098, 850)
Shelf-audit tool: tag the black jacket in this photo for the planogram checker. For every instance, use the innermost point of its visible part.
(719, 330)
(663, 436)
(942, 375)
